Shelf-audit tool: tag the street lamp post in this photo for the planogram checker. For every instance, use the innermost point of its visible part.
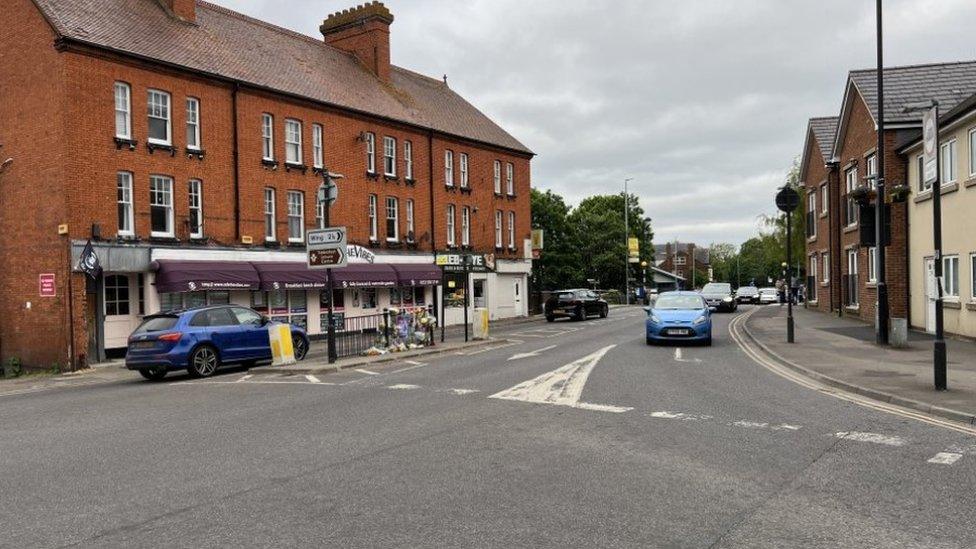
(626, 243)
(879, 210)
(932, 153)
(787, 199)
(326, 196)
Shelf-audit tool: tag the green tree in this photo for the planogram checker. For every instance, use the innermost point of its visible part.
(556, 267)
(723, 257)
(598, 222)
(776, 224)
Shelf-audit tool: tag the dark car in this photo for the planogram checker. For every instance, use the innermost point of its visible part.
(747, 294)
(719, 295)
(200, 340)
(576, 304)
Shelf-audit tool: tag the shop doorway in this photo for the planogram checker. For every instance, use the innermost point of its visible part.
(121, 301)
(479, 293)
(517, 293)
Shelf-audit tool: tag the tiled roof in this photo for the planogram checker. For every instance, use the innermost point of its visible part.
(824, 129)
(948, 83)
(230, 45)
(661, 251)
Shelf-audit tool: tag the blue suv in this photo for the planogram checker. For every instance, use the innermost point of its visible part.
(200, 340)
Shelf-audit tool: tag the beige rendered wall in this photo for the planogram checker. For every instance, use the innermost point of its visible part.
(958, 232)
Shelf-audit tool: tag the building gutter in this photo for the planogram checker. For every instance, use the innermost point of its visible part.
(430, 177)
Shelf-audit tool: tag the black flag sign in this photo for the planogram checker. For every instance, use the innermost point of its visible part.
(89, 261)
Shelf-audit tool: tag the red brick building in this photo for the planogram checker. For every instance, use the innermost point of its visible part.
(841, 267)
(168, 131)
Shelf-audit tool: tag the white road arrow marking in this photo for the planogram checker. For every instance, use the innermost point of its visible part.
(945, 458)
(562, 386)
(871, 437)
(679, 415)
(679, 357)
(313, 379)
(367, 372)
(530, 354)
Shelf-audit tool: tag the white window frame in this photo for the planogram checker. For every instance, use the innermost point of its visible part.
(498, 229)
(411, 235)
(296, 212)
(852, 270)
(812, 212)
(165, 113)
(123, 182)
(270, 217)
(389, 156)
(449, 168)
(166, 194)
(267, 137)
(948, 167)
(825, 262)
(824, 197)
(510, 179)
(498, 177)
(850, 177)
(373, 222)
(393, 214)
(408, 159)
(293, 141)
(972, 152)
(920, 170)
(464, 170)
(950, 277)
(123, 108)
(680, 260)
(511, 230)
(450, 225)
(465, 226)
(872, 265)
(318, 159)
(872, 170)
(195, 200)
(370, 139)
(972, 277)
(193, 123)
(814, 268)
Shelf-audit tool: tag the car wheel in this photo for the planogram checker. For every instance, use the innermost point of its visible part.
(155, 373)
(580, 313)
(203, 362)
(604, 311)
(300, 346)
(550, 318)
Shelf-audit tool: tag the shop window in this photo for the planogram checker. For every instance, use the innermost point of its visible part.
(195, 299)
(218, 298)
(454, 293)
(338, 310)
(116, 295)
(140, 291)
(420, 295)
(170, 302)
(367, 298)
(396, 297)
(259, 301)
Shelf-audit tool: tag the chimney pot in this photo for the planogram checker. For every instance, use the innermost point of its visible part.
(363, 31)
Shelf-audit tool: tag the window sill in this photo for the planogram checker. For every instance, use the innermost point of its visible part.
(952, 303)
(465, 190)
(499, 195)
(813, 302)
(971, 306)
(125, 142)
(410, 181)
(373, 243)
(153, 147)
(823, 215)
(852, 308)
(391, 177)
(450, 188)
(289, 166)
(970, 182)
(159, 238)
(372, 175)
(199, 153)
(269, 163)
(850, 228)
(511, 197)
(296, 243)
(394, 244)
(272, 244)
(199, 239)
(825, 283)
(318, 170)
(811, 239)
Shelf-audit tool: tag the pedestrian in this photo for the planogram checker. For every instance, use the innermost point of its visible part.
(781, 291)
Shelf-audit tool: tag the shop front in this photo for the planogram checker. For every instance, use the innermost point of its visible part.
(496, 285)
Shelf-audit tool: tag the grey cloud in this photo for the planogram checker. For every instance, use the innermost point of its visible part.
(704, 103)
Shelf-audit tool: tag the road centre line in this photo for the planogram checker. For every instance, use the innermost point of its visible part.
(403, 387)
(367, 372)
(874, 438)
(679, 415)
(313, 379)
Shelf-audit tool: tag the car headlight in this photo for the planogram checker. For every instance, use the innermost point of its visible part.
(701, 320)
(654, 319)
(727, 299)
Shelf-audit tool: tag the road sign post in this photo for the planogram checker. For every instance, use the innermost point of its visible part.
(326, 249)
(787, 199)
(931, 167)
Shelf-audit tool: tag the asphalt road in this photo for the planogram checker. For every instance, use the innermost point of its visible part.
(590, 438)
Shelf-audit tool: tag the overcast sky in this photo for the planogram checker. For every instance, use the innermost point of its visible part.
(703, 103)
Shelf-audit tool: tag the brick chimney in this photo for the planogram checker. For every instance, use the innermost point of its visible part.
(363, 31)
(183, 9)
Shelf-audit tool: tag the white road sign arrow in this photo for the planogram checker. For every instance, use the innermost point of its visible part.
(530, 354)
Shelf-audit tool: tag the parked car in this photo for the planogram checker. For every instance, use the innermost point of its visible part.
(768, 295)
(747, 294)
(719, 295)
(575, 304)
(679, 316)
(203, 339)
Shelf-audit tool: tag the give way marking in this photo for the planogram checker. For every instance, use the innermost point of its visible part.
(562, 386)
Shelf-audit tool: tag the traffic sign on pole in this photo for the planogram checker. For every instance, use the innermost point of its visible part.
(326, 248)
(930, 138)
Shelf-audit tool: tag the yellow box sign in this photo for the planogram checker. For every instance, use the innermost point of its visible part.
(633, 246)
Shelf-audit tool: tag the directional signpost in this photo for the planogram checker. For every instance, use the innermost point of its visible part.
(326, 248)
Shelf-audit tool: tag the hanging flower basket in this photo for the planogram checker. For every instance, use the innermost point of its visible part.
(899, 193)
(862, 194)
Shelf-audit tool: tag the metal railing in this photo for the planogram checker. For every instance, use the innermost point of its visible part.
(400, 328)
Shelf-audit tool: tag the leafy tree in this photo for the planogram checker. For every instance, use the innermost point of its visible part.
(723, 260)
(776, 224)
(601, 240)
(556, 266)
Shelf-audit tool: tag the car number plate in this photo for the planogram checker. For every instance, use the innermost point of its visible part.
(679, 331)
(144, 344)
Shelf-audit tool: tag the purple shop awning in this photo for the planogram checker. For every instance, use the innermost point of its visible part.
(418, 274)
(365, 275)
(192, 276)
(289, 275)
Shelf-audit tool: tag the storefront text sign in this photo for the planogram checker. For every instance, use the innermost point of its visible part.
(46, 285)
(454, 262)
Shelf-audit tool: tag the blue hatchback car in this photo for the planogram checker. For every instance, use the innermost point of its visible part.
(200, 340)
(679, 316)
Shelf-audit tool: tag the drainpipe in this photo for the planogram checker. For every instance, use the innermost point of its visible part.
(430, 174)
(237, 167)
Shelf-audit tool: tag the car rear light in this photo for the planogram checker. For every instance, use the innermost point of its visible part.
(170, 337)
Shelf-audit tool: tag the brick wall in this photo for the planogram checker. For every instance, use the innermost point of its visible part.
(814, 177)
(61, 127)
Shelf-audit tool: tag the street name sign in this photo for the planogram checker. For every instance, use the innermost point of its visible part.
(326, 248)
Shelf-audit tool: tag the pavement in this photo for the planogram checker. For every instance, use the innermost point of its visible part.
(570, 434)
(842, 353)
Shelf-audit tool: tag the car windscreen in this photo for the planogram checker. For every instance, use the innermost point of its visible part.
(156, 324)
(717, 288)
(768, 291)
(565, 296)
(679, 302)
(748, 290)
